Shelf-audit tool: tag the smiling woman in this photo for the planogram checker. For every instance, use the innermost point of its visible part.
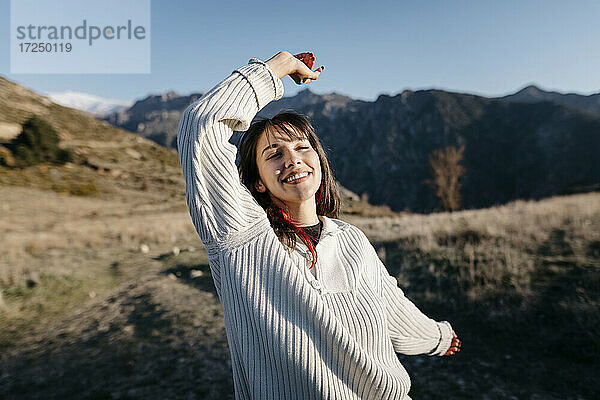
(314, 318)
(283, 164)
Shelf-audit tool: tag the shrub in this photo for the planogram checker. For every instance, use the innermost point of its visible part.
(37, 143)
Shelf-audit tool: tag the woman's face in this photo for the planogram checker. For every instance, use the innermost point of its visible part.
(288, 168)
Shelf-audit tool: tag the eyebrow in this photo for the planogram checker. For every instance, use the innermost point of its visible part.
(268, 147)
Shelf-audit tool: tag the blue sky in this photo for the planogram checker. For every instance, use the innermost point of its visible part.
(484, 47)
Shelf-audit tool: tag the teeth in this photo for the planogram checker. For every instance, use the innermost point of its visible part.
(297, 176)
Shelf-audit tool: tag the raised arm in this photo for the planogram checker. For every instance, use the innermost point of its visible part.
(218, 202)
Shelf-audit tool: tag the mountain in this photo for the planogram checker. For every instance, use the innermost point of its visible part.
(517, 147)
(155, 117)
(328, 105)
(533, 94)
(95, 105)
(513, 150)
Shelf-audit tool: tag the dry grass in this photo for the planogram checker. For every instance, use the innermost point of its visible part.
(483, 249)
(40, 226)
(521, 220)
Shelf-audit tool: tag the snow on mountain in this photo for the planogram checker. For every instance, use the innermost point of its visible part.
(86, 102)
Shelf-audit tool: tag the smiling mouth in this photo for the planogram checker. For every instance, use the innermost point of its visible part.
(297, 178)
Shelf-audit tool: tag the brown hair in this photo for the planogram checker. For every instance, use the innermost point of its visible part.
(297, 127)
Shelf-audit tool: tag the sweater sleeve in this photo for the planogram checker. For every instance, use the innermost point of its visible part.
(218, 202)
(411, 331)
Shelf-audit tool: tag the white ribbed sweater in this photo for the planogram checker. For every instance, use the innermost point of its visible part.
(292, 335)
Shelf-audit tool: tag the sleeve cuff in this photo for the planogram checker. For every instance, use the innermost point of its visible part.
(445, 339)
(266, 85)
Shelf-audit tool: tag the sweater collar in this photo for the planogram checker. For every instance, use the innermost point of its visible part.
(331, 227)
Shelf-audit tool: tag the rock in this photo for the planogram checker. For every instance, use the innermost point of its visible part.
(176, 251)
(196, 273)
(9, 130)
(133, 154)
(144, 248)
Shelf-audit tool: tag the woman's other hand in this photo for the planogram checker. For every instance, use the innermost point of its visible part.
(298, 67)
(454, 345)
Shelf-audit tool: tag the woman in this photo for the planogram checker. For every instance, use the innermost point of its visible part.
(302, 321)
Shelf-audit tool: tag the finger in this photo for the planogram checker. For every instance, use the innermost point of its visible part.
(313, 77)
(317, 72)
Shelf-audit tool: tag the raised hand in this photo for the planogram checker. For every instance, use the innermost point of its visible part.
(454, 345)
(298, 67)
(307, 59)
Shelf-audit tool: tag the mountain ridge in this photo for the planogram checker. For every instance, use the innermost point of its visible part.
(390, 140)
(532, 93)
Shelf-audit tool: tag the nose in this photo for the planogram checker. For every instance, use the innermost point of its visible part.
(291, 162)
(291, 159)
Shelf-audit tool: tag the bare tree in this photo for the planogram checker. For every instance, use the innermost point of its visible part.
(446, 172)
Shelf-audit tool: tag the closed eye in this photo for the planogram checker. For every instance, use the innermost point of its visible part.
(278, 154)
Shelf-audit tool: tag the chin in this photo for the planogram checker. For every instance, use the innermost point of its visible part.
(297, 197)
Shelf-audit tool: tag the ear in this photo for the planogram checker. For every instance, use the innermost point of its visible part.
(260, 187)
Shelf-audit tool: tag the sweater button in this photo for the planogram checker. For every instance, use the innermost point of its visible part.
(316, 284)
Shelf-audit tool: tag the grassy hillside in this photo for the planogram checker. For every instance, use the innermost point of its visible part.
(111, 163)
